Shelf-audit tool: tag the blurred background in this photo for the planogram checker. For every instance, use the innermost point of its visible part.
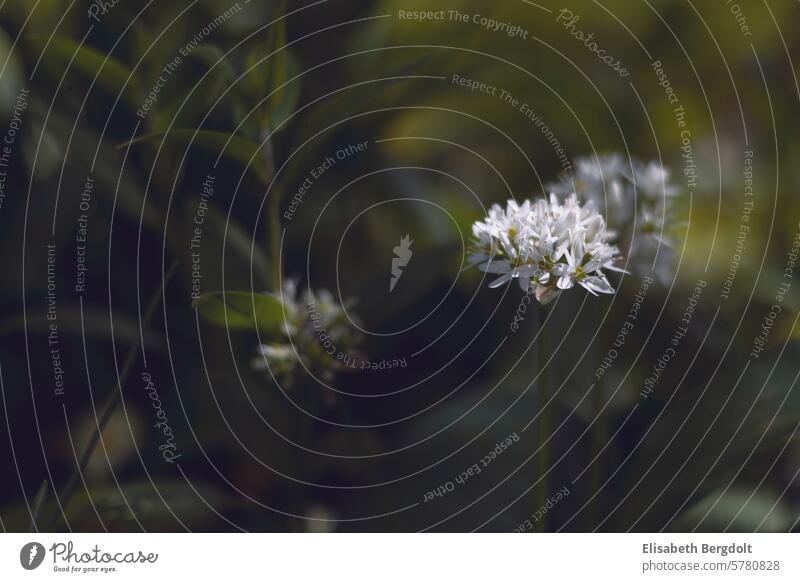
(259, 142)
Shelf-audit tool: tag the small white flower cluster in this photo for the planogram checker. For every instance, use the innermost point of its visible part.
(314, 324)
(638, 200)
(547, 245)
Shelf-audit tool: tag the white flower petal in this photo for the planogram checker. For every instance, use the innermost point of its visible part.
(564, 282)
(501, 281)
(496, 267)
(597, 285)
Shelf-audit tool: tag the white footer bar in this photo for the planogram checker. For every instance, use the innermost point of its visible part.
(401, 557)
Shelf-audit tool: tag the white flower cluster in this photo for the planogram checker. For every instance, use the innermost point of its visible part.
(547, 245)
(638, 201)
(314, 325)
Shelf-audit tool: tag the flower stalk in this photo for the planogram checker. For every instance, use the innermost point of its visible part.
(598, 438)
(543, 432)
(273, 211)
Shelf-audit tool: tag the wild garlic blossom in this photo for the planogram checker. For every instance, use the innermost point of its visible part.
(638, 200)
(547, 245)
(316, 329)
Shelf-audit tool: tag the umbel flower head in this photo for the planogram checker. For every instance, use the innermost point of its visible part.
(547, 245)
(638, 200)
(316, 330)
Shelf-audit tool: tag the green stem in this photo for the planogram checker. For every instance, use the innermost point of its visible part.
(542, 490)
(275, 241)
(110, 403)
(598, 437)
(273, 213)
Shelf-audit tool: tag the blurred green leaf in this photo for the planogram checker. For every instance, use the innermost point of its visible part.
(213, 57)
(186, 110)
(268, 67)
(242, 310)
(13, 73)
(739, 510)
(107, 72)
(290, 95)
(232, 147)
